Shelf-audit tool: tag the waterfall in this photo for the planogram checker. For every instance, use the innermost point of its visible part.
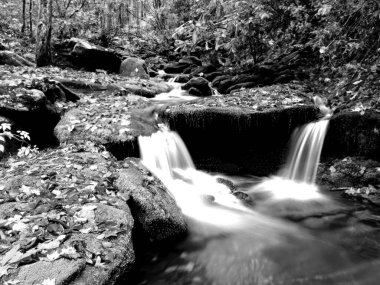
(296, 180)
(197, 193)
(306, 147)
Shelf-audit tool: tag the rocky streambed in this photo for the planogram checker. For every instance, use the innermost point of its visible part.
(82, 209)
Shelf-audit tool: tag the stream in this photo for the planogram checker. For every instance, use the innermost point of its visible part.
(289, 232)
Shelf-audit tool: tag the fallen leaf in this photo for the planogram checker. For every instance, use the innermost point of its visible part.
(48, 282)
(98, 262)
(4, 270)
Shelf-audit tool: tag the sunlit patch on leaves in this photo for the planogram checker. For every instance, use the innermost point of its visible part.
(48, 282)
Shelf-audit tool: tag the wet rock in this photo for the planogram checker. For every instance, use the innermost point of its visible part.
(244, 197)
(353, 134)
(222, 83)
(113, 248)
(256, 140)
(63, 271)
(152, 73)
(154, 209)
(113, 122)
(198, 86)
(182, 78)
(134, 67)
(203, 70)
(11, 58)
(227, 183)
(241, 85)
(191, 60)
(79, 231)
(176, 68)
(211, 76)
(79, 53)
(218, 79)
(195, 92)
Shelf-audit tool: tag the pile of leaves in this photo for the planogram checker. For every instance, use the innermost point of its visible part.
(47, 197)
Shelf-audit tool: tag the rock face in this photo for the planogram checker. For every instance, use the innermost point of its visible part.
(113, 122)
(82, 231)
(134, 67)
(77, 216)
(153, 207)
(198, 86)
(11, 58)
(353, 134)
(79, 53)
(233, 139)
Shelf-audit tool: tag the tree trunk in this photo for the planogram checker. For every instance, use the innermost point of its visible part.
(30, 18)
(43, 37)
(23, 16)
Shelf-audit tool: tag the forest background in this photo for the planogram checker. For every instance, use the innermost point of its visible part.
(338, 39)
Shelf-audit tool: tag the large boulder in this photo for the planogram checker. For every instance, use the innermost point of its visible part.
(198, 86)
(11, 58)
(79, 53)
(245, 132)
(134, 67)
(154, 209)
(114, 122)
(68, 222)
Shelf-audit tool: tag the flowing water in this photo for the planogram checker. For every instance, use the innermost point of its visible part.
(175, 96)
(293, 233)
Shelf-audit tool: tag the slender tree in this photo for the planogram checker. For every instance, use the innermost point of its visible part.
(23, 16)
(43, 36)
(30, 18)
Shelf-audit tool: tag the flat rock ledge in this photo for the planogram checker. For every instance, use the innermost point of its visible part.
(65, 216)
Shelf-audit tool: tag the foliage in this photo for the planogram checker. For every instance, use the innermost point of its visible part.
(6, 133)
(252, 30)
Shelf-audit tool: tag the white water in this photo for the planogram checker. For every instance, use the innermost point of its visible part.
(257, 249)
(306, 147)
(296, 180)
(197, 193)
(176, 95)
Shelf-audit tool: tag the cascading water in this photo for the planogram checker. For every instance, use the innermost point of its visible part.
(248, 247)
(165, 155)
(296, 179)
(176, 95)
(306, 147)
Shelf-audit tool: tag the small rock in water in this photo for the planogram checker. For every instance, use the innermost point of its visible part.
(244, 197)
(227, 183)
(208, 198)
